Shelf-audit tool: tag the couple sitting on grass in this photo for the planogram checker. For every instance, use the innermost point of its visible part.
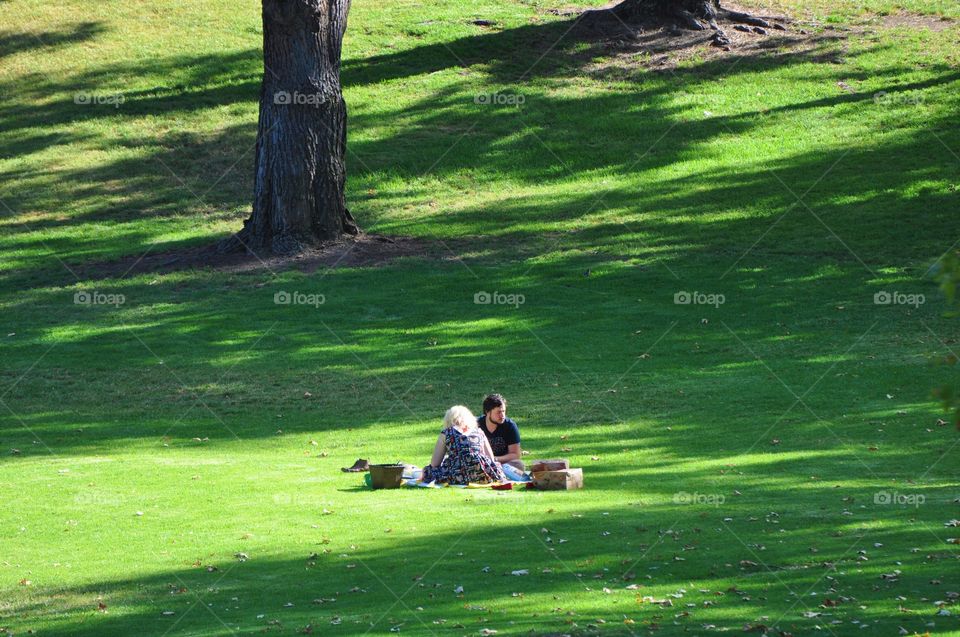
(476, 450)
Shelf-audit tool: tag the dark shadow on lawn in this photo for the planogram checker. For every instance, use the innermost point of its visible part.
(209, 176)
(393, 344)
(387, 343)
(132, 191)
(409, 580)
(13, 42)
(194, 369)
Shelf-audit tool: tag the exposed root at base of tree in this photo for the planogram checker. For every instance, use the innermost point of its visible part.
(364, 250)
(696, 15)
(281, 244)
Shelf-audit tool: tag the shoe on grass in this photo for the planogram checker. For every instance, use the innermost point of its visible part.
(358, 466)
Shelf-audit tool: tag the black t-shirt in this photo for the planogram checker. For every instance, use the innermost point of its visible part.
(506, 434)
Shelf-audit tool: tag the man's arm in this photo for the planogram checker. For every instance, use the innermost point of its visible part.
(513, 453)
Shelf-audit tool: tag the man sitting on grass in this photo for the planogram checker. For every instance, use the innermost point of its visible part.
(503, 434)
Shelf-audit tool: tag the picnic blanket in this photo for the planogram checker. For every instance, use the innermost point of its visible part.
(411, 478)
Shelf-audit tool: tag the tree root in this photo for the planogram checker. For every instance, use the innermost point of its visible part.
(746, 18)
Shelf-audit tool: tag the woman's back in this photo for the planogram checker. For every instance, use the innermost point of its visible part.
(470, 441)
(462, 454)
(466, 460)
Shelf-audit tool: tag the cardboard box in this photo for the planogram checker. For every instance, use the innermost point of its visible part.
(558, 464)
(562, 480)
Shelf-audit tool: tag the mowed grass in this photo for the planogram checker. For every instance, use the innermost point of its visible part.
(766, 457)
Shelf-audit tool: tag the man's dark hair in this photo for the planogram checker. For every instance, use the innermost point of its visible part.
(493, 401)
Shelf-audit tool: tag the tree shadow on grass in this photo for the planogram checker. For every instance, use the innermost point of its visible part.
(173, 362)
(393, 340)
(188, 175)
(13, 42)
(564, 47)
(734, 565)
(154, 188)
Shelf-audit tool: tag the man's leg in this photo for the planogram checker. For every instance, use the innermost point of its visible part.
(516, 464)
(513, 472)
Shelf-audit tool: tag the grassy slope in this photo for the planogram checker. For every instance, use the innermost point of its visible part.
(652, 182)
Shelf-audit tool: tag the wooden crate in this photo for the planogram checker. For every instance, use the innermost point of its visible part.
(562, 480)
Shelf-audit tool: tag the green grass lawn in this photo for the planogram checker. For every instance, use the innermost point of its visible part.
(772, 462)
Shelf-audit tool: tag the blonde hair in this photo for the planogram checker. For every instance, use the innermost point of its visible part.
(459, 417)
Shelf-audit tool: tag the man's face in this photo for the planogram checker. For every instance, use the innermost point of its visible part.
(497, 415)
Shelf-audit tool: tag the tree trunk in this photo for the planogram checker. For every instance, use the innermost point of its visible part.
(706, 9)
(692, 14)
(302, 131)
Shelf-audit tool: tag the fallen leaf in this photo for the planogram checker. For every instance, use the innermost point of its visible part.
(652, 600)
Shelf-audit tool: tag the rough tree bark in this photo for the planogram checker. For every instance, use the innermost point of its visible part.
(301, 135)
(692, 14)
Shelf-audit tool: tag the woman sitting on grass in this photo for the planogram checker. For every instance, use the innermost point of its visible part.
(462, 454)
